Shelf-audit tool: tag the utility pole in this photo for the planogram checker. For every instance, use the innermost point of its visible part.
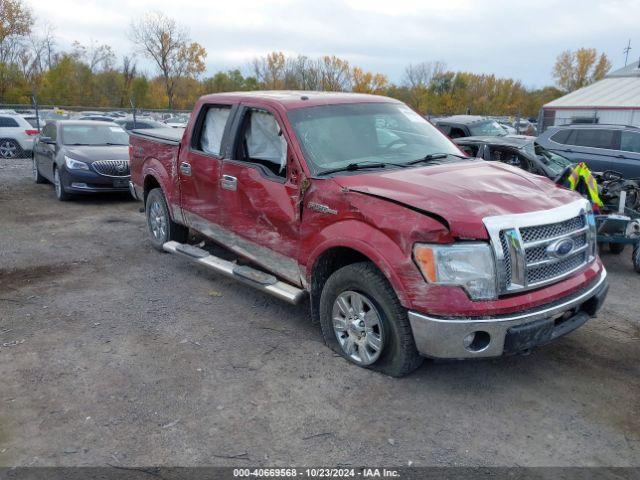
(626, 52)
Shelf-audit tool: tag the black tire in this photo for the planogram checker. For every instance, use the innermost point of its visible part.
(58, 187)
(157, 205)
(616, 248)
(398, 355)
(36, 173)
(636, 257)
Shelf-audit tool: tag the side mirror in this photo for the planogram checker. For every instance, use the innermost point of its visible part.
(47, 140)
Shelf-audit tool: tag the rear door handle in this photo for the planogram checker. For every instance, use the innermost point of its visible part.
(185, 168)
(229, 183)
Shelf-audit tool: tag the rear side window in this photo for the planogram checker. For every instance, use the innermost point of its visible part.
(8, 122)
(561, 137)
(596, 138)
(215, 121)
(630, 142)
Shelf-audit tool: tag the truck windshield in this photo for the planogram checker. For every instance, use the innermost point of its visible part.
(335, 136)
(96, 134)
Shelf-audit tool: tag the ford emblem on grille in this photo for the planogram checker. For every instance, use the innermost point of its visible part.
(120, 167)
(561, 248)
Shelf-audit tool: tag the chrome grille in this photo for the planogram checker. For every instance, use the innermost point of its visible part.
(112, 168)
(531, 234)
(557, 269)
(540, 248)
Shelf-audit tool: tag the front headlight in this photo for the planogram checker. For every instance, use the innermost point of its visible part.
(468, 265)
(75, 164)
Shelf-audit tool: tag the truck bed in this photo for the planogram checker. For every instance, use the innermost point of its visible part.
(168, 135)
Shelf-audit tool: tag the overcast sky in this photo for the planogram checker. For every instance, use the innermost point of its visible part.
(518, 38)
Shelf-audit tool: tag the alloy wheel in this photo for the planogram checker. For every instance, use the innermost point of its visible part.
(8, 149)
(358, 327)
(157, 221)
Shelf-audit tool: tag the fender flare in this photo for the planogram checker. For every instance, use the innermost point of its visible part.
(369, 242)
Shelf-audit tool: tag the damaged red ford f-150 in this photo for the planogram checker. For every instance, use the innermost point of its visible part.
(405, 247)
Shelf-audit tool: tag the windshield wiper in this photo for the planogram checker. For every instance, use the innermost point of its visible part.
(433, 156)
(360, 166)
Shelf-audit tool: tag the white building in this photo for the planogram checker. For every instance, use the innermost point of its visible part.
(614, 100)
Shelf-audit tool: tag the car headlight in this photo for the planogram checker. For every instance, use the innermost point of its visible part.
(75, 164)
(468, 265)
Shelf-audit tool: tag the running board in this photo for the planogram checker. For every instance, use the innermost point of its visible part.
(247, 275)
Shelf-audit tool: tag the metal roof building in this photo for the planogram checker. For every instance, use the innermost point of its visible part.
(615, 99)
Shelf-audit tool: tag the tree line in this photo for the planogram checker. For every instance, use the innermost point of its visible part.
(94, 75)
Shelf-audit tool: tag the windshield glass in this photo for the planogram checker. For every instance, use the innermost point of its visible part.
(488, 128)
(556, 163)
(334, 136)
(94, 135)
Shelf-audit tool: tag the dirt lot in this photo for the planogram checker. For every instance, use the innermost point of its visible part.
(113, 353)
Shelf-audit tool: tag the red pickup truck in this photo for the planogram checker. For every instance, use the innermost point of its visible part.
(405, 247)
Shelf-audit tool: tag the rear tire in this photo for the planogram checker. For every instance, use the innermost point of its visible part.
(362, 320)
(162, 228)
(616, 248)
(10, 149)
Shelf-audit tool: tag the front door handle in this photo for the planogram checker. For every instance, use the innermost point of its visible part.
(229, 183)
(185, 168)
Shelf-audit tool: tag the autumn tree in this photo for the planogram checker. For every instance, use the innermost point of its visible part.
(368, 82)
(16, 21)
(168, 45)
(417, 79)
(580, 68)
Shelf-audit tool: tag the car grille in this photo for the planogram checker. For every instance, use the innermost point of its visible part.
(112, 168)
(530, 256)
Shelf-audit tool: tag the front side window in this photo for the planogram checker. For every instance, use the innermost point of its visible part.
(49, 131)
(593, 138)
(215, 122)
(263, 141)
(334, 136)
(94, 135)
(630, 142)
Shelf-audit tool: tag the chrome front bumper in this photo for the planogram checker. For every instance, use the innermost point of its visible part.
(439, 337)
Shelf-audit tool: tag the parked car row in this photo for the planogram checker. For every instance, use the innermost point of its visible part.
(601, 147)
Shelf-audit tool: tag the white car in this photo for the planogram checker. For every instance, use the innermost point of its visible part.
(16, 136)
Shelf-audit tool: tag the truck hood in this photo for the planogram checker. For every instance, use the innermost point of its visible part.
(462, 194)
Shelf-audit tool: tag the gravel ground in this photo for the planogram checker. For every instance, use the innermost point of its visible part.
(113, 353)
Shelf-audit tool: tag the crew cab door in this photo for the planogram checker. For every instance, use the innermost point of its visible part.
(44, 154)
(260, 191)
(199, 167)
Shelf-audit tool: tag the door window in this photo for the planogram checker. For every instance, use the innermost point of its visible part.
(263, 142)
(49, 131)
(561, 137)
(215, 121)
(630, 142)
(593, 138)
(8, 122)
(511, 157)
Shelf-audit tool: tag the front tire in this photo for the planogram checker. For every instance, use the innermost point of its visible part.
(161, 228)
(36, 173)
(61, 193)
(362, 319)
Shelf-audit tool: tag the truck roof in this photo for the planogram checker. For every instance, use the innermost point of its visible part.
(292, 99)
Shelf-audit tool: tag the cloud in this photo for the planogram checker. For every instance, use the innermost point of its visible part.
(514, 39)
